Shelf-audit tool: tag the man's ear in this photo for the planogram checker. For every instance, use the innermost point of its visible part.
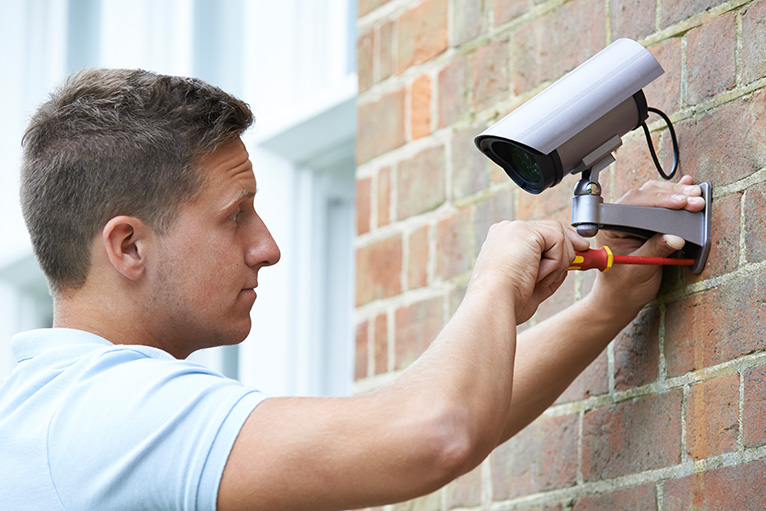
(124, 238)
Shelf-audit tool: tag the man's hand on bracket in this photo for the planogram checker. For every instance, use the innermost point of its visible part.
(630, 286)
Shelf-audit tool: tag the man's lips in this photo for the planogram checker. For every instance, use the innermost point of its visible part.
(248, 292)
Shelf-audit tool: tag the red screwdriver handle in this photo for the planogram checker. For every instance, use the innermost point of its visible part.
(599, 258)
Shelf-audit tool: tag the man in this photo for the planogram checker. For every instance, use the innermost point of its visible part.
(138, 195)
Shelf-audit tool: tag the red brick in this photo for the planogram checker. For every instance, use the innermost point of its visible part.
(754, 409)
(363, 186)
(465, 491)
(637, 351)
(592, 381)
(490, 74)
(549, 46)
(417, 325)
(715, 326)
(420, 107)
(737, 488)
(454, 92)
(754, 41)
(379, 270)
(364, 60)
(421, 183)
(631, 437)
(422, 33)
(635, 498)
(367, 6)
(633, 168)
(726, 144)
(360, 353)
(665, 92)
(386, 57)
(543, 456)
(553, 204)
(417, 266)
(632, 18)
(384, 196)
(755, 228)
(673, 11)
(506, 10)
(470, 168)
(532, 62)
(380, 127)
(490, 210)
(724, 247)
(712, 418)
(380, 339)
(711, 59)
(454, 240)
(469, 20)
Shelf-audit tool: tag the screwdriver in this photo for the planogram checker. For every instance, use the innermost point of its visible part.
(602, 259)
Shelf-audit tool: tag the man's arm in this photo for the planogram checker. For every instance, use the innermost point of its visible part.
(550, 355)
(437, 420)
(447, 411)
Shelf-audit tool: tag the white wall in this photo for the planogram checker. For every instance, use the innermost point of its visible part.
(291, 60)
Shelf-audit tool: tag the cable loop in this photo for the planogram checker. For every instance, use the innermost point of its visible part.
(651, 145)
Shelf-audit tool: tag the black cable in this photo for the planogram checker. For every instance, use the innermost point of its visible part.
(651, 145)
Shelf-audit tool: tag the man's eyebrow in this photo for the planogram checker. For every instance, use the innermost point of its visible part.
(242, 194)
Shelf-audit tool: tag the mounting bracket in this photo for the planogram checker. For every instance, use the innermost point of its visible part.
(590, 213)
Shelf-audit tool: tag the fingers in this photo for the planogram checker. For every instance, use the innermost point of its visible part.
(664, 194)
(528, 251)
(559, 252)
(577, 241)
(660, 245)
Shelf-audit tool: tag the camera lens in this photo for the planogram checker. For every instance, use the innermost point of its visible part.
(521, 162)
(526, 165)
(530, 169)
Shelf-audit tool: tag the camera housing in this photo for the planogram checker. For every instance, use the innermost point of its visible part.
(574, 122)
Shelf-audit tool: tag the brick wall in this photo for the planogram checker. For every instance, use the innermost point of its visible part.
(673, 414)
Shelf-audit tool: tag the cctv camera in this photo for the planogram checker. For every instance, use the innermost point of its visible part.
(574, 126)
(576, 122)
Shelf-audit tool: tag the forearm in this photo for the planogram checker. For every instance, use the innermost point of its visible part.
(550, 355)
(470, 367)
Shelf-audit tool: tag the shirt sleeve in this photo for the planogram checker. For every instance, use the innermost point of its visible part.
(139, 433)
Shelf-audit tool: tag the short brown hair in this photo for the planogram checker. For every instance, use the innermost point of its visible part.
(114, 142)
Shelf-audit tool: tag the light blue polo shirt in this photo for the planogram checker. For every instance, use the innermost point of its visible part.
(89, 425)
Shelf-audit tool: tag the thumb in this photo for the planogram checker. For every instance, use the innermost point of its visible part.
(660, 245)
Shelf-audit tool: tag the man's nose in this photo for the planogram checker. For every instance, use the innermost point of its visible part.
(263, 250)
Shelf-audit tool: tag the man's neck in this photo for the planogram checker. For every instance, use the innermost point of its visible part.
(116, 321)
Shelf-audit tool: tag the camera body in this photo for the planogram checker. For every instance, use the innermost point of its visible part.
(577, 121)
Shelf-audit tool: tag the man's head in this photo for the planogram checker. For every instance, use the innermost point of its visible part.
(117, 142)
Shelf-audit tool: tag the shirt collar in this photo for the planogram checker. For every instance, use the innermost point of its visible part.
(26, 345)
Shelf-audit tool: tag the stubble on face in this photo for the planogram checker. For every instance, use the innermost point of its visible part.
(197, 305)
(197, 294)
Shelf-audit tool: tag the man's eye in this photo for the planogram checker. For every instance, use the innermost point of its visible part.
(236, 216)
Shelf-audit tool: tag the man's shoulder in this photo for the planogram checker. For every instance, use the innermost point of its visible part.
(132, 411)
(86, 355)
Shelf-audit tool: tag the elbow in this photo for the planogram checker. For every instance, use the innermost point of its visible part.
(452, 447)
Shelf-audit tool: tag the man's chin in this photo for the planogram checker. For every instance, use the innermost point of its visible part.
(231, 336)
